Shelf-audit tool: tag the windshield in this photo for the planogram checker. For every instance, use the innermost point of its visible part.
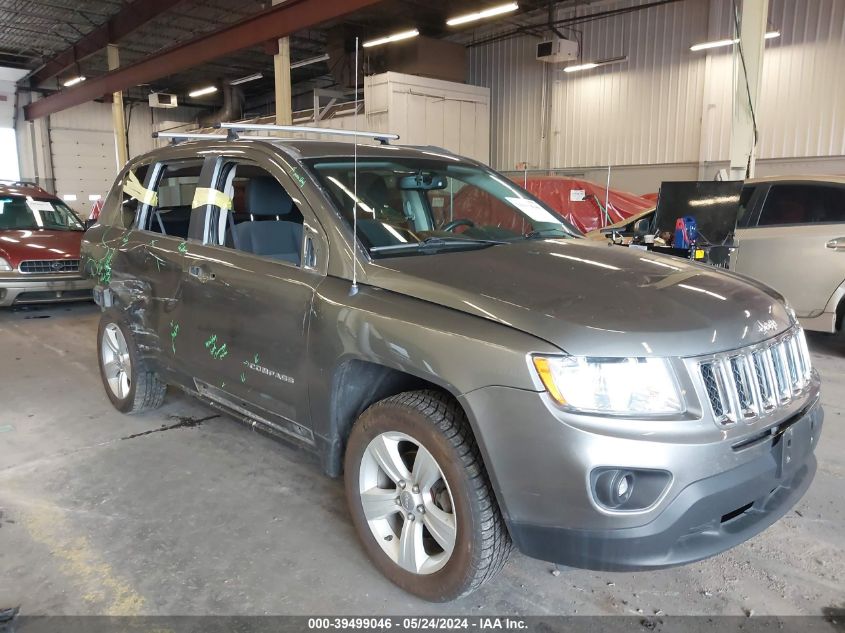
(410, 206)
(19, 213)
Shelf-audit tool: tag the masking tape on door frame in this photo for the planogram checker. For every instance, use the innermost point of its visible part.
(204, 196)
(133, 188)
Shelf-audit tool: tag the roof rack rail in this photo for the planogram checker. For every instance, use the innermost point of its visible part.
(20, 183)
(381, 137)
(175, 137)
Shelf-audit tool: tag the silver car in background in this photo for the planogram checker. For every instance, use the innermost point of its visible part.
(791, 236)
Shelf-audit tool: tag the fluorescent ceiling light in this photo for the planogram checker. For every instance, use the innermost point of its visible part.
(69, 197)
(247, 79)
(73, 81)
(94, 197)
(591, 65)
(203, 91)
(587, 66)
(310, 60)
(480, 15)
(770, 35)
(404, 35)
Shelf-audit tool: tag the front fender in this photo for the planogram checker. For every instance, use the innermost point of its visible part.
(456, 351)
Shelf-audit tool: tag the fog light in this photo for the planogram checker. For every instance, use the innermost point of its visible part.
(628, 489)
(614, 487)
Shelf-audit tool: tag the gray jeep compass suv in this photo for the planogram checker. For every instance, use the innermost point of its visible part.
(492, 378)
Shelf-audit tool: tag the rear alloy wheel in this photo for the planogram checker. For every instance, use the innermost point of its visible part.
(130, 385)
(117, 366)
(420, 498)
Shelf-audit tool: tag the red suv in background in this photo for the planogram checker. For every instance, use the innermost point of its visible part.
(39, 247)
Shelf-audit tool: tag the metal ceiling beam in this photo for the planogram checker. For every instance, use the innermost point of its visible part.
(278, 21)
(118, 26)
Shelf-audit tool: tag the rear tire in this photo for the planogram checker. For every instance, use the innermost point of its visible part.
(129, 383)
(431, 522)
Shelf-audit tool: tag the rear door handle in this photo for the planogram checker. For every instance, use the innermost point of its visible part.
(201, 273)
(837, 244)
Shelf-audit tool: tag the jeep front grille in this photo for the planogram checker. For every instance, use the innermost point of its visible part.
(746, 384)
(50, 266)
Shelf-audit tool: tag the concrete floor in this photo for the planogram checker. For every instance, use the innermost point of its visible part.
(215, 519)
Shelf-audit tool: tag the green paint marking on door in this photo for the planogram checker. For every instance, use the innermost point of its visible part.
(256, 359)
(243, 377)
(217, 351)
(183, 247)
(6, 428)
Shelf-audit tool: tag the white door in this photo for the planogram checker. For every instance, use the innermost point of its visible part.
(798, 244)
(84, 165)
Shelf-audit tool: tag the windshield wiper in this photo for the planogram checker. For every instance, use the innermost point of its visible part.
(434, 244)
(550, 232)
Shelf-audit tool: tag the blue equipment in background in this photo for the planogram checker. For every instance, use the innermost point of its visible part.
(686, 232)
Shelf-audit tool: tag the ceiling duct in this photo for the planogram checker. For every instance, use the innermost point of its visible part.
(232, 109)
(422, 56)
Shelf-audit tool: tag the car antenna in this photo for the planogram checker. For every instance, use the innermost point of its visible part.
(354, 289)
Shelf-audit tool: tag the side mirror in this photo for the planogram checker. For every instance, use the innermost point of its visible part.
(642, 226)
(87, 224)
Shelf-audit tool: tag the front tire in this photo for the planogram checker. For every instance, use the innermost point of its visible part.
(420, 498)
(130, 385)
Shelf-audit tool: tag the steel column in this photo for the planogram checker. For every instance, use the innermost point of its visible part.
(117, 115)
(281, 77)
(749, 77)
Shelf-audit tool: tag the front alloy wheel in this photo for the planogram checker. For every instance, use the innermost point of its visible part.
(420, 498)
(407, 503)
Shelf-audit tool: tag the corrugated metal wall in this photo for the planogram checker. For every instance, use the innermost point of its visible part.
(515, 80)
(667, 104)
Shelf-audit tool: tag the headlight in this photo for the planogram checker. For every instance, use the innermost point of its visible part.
(4, 266)
(617, 386)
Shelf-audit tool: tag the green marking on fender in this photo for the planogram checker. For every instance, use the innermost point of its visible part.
(183, 247)
(6, 428)
(174, 332)
(256, 359)
(243, 377)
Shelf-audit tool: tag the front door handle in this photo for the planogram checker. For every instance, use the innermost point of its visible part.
(201, 273)
(837, 244)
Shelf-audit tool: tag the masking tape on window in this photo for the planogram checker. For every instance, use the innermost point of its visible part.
(135, 189)
(203, 196)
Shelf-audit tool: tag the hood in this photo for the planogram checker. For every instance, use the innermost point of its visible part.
(593, 299)
(17, 246)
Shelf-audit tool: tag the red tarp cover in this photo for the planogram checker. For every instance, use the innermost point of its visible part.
(556, 191)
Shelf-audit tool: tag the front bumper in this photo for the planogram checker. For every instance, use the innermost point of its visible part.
(29, 289)
(719, 496)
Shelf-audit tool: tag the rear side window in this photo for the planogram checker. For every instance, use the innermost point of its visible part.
(803, 204)
(170, 213)
(131, 194)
